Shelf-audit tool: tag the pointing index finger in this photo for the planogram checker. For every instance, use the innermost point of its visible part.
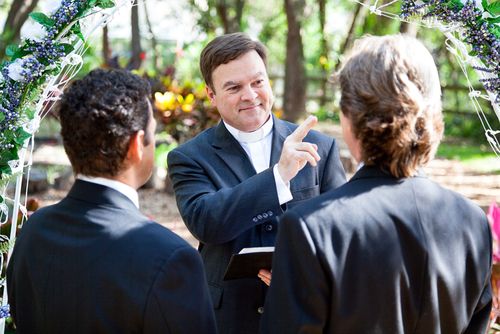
(301, 132)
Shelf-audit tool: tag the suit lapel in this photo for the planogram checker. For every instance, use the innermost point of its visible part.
(280, 132)
(231, 153)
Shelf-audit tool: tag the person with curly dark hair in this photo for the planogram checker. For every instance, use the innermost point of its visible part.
(93, 263)
(390, 251)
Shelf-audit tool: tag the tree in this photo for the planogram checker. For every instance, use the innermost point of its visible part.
(228, 12)
(294, 99)
(135, 43)
(18, 14)
(324, 50)
(154, 43)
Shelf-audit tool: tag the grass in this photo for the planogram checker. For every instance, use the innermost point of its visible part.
(478, 157)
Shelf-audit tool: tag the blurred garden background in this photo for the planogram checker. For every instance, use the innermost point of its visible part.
(306, 40)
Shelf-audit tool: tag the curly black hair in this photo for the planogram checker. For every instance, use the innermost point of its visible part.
(98, 116)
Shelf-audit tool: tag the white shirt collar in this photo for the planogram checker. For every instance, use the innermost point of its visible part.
(122, 188)
(254, 136)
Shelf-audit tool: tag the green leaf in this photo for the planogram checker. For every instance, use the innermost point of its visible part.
(105, 3)
(495, 30)
(67, 48)
(21, 136)
(484, 3)
(2, 116)
(493, 8)
(20, 52)
(11, 50)
(43, 19)
(76, 29)
(493, 20)
(473, 53)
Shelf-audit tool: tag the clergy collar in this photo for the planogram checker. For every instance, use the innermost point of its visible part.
(254, 136)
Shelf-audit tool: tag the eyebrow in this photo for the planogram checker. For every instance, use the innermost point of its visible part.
(236, 83)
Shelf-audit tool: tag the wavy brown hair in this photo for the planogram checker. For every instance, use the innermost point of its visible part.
(392, 96)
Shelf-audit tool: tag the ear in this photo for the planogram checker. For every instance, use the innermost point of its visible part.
(136, 147)
(211, 95)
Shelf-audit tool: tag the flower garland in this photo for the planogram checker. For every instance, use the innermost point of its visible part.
(28, 79)
(46, 41)
(479, 24)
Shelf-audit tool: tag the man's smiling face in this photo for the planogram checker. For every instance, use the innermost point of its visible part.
(242, 93)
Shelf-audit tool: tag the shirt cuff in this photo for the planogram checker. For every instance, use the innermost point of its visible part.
(284, 194)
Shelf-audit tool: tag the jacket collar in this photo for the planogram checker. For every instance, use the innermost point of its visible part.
(235, 157)
(366, 172)
(100, 195)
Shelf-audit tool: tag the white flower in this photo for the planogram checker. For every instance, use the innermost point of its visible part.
(15, 70)
(2, 79)
(51, 6)
(33, 30)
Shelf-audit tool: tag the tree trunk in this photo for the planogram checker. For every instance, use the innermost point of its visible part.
(154, 43)
(135, 44)
(359, 14)
(324, 51)
(408, 29)
(294, 97)
(106, 50)
(18, 14)
(230, 23)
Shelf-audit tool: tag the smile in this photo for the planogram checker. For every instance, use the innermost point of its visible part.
(249, 108)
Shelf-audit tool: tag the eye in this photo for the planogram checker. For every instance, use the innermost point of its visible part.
(259, 82)
(233, 89)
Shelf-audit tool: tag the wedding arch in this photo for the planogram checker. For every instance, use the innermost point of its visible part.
(49, 56)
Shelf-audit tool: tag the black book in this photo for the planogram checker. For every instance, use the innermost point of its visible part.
(248, 262)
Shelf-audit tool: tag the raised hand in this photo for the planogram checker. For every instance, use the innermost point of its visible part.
(296, 153)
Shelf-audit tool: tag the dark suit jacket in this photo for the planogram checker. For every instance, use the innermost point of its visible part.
(381, 255)
(94, 264)
(227, 207)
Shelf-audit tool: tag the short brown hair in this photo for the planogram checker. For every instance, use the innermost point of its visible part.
(225, 48)
(392, 96)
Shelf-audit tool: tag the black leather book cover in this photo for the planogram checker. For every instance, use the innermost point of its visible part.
(248, 262)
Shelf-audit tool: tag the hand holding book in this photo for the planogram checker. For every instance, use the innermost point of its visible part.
(248, 262)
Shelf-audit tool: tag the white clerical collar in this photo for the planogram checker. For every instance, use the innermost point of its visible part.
(254, 136)
(122, 188)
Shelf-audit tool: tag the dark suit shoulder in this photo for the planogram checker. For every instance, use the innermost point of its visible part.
(192, 146)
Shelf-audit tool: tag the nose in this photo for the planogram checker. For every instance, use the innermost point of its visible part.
(248, 93)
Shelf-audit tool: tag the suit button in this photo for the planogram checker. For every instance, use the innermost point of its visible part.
(255, 219)
(269, 228)
(265, 215)
(259, 217)
(260, 310)
(270, 213)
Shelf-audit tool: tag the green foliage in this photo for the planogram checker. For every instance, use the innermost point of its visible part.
(43, 19)
(161, 154)
(479, 158)
(183, 109)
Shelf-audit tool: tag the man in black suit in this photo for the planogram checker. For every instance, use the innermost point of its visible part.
(390, 251)
(93, 263)
(233, 180)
